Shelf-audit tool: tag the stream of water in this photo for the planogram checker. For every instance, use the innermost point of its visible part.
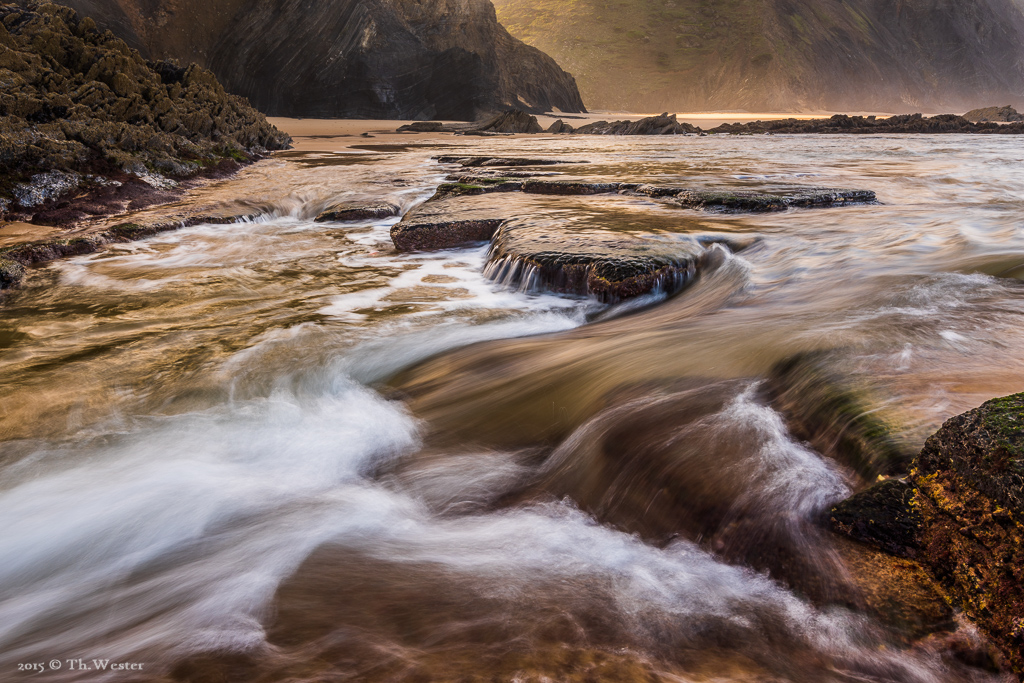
(281, 450)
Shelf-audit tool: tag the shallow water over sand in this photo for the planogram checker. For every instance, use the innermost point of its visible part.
(285, 441)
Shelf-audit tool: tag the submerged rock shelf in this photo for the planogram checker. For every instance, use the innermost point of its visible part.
(606, 265)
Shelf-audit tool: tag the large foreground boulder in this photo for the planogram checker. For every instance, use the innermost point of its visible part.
(961, 513)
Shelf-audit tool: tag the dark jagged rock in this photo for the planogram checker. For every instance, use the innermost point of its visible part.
(512, 121)
(1005, 114)
(885, 516)
(11, 272)
(560, 127)
(77, 102)
(356, 212)
(477, 161)
(964, 520)
(608, 266)
(842, 123)
(652, 125)
(437, 59)
(443, 224)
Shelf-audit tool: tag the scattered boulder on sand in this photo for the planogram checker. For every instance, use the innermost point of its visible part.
(356, 212)
(560, 127)
(1005, 114)
(652, 125)
(960, 512)
(422, 127)
(512, 121)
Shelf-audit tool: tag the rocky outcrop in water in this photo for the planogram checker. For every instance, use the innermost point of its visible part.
(960, 512)
(437, 59)
(652, 125)
(1005, 114)
(842, 123)
(606, 265)
(445, 223)
(342, 213)
(82, 112)
(512, 121)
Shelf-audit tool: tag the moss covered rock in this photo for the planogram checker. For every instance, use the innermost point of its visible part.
(75, 100)
(960, 513)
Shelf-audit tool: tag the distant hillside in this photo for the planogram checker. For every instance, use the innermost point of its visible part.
(446, 59)
(781, 55)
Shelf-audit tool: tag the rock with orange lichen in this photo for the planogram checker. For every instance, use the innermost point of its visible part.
(960, 513)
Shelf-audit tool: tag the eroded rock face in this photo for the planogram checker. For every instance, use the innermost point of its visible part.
(75, 100)
(438, 59)
(961, 513)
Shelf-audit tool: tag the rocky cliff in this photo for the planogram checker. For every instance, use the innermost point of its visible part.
(443, 59)
(79, 109)
(899, 56)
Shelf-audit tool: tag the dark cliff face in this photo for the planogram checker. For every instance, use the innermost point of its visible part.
(901, 56)
(444, 59)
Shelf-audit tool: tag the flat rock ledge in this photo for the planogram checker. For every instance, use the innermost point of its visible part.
(482, 161)
(609, 267)
(349, 212)
(960, 513)
(14, 259)
(443, 224)
(728, 201)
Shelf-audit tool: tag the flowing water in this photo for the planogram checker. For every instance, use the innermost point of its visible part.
(280, 450)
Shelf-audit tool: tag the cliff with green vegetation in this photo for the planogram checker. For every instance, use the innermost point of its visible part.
(781, 55)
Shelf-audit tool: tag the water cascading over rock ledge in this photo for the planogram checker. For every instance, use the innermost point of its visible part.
(959, 512)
